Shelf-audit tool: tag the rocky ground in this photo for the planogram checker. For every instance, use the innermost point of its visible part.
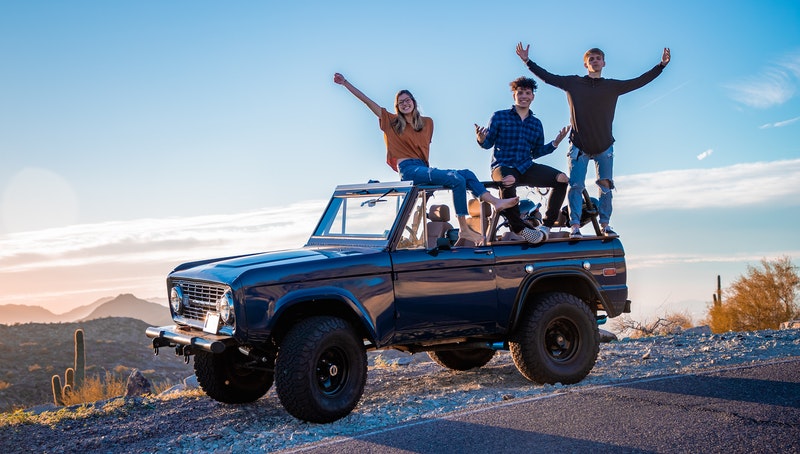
(401, 388)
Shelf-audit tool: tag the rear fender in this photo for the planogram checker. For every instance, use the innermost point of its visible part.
(575, 281)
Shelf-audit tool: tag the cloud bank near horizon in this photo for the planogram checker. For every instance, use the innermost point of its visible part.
(689, 189)
(89, 261)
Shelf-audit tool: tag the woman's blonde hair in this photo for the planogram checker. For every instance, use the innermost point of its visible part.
(399, 123)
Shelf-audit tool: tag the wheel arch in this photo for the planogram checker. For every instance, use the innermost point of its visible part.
(575, 281)
(322, 301)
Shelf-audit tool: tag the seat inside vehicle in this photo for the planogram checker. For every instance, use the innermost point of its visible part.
(438, 223)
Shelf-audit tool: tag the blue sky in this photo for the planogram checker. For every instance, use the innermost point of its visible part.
(138, 135)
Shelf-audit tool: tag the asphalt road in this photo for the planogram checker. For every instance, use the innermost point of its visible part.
(753, 409)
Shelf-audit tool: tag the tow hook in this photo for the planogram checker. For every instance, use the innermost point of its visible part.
(183, 350)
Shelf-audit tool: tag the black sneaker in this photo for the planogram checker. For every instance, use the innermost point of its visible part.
(575, 233)
(608, 231)
(532, 236)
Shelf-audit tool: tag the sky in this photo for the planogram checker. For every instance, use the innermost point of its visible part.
(135, 136)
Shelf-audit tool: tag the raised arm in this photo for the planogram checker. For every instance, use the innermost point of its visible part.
(373, 106)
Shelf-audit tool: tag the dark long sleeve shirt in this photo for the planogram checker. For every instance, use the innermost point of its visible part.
(516, 142)
(592, 103)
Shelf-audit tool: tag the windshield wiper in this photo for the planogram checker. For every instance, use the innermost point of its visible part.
(372, 202)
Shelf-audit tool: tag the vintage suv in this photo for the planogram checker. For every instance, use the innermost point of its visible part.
(382, 271)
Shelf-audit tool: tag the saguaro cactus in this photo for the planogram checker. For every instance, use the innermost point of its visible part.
(80, 359)
(73, 376)
(58, 395)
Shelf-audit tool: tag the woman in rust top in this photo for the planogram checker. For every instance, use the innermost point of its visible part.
(408, 138)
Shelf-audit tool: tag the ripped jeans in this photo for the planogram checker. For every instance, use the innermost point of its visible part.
(458, 180)
(578, 165)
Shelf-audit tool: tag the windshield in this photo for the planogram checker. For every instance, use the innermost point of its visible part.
(361, 215)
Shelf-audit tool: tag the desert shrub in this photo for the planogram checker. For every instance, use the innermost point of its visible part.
(762, 299)
(669, 323)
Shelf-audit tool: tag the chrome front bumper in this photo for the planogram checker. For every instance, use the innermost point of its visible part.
(174, 335)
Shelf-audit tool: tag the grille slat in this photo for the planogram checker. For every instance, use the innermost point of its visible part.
(201, 298)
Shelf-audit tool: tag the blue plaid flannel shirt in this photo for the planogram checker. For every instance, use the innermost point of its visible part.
(516, 142)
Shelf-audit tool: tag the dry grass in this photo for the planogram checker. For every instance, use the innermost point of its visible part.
(102, 388)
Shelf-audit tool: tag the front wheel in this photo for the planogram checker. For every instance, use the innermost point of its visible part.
(557, 340)
(321, 369)
(465, 359)
(230, 377)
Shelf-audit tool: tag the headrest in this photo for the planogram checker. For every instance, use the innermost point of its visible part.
(439, 213)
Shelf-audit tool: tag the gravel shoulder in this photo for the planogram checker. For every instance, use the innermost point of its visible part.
(401, 388)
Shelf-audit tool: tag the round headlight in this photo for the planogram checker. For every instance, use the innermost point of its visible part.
(176, 299)
(225, 307)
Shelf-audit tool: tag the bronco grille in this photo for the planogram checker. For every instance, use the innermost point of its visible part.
(200, 298)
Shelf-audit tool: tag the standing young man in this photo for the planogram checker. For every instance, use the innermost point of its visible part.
(592, 102)
(518, 138)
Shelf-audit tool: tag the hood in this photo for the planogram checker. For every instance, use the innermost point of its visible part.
(274, 266)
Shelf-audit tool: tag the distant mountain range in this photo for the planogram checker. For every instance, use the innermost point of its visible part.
(124, 305)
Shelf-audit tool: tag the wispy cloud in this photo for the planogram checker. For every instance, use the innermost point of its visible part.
(634, 261)
(705, 154)
(659, 98)
(773, 86)
(750, 183)
(779, 124)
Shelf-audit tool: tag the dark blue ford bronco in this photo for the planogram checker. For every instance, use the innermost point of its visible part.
(384, 270)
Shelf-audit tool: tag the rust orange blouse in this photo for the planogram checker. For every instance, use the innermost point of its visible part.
(410, 144)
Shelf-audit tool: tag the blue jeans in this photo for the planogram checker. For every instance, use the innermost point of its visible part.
(578, 165)
(458, 180)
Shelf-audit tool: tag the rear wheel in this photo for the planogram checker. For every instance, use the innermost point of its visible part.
(321, 369)
(557, 340)
(465, 359)
(228, 376)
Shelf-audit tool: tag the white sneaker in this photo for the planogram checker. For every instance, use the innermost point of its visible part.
(546, 230)
(608, 231)
(575, 233)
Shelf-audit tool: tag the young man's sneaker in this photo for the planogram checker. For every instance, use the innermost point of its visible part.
(532, 236)
(575, 233)
(608, 231)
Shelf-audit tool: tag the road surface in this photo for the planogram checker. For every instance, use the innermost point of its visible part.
(742, 409)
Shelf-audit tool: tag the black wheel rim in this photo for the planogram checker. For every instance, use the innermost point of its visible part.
(332, 371)
(561, 339)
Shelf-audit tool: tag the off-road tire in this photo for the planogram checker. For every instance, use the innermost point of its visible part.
(224, 377)
(466, 359)
(321, 369)
(557, 340)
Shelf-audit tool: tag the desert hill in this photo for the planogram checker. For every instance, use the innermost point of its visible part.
(124, 305)
(31, 353)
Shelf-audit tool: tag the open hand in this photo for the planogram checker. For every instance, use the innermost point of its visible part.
(480, 133)
(561, 135)
(523, 51)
